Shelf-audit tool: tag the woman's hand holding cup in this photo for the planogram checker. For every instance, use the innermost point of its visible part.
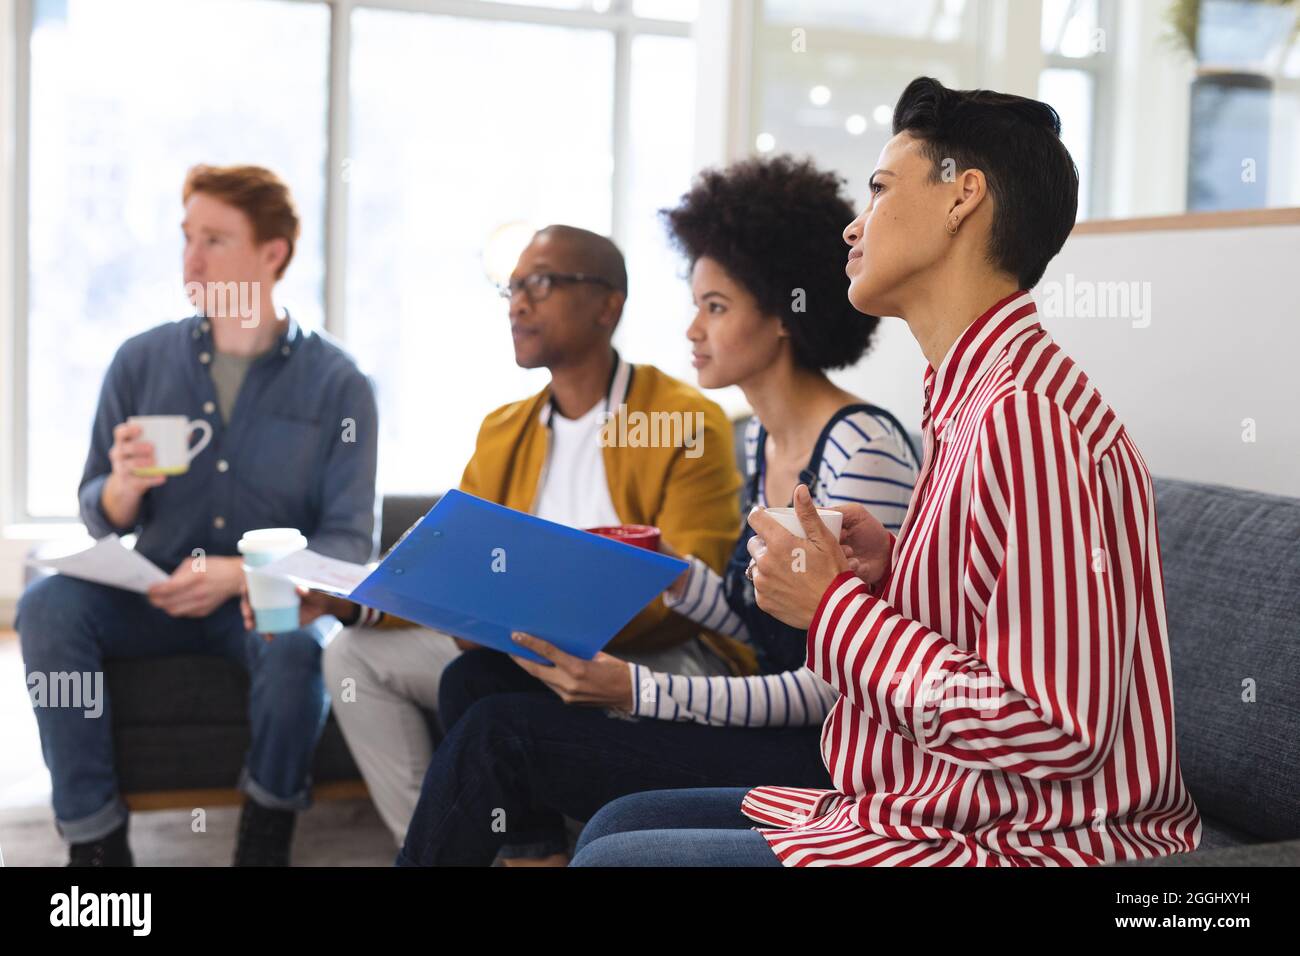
(865, 542)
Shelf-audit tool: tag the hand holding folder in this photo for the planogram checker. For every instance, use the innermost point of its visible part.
(478, 570)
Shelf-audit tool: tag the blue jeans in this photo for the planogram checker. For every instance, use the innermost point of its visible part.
(514, 764)
(674, 828)
(69, 627)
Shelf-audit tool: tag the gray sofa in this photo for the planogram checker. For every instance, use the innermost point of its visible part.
(1232, 590)
(1232, 577)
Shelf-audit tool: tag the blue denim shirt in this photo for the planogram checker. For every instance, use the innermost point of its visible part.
(283, 460)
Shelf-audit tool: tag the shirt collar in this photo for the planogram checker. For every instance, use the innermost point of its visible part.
(976, 351)
(620, 381)
(201, 336)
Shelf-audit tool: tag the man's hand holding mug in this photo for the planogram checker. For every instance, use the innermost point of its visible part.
(125, 487)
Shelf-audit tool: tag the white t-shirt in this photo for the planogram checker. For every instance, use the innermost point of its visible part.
(574, 489)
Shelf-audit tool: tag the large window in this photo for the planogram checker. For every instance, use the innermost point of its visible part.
(125, 96)
(454, 128)
(434, 177)
(1077, 38)
(828, 72)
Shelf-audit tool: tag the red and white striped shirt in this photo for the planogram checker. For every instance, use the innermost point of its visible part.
(1005, 693)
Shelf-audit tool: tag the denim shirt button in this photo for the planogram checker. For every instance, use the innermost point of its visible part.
(209, 408)
(223, 465)
(218, 522)
(205, 325)
(205, 358)
(285, 350)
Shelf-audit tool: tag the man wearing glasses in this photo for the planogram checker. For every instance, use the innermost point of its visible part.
(564, 454)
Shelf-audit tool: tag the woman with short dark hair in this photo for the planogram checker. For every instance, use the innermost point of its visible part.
(1002, 662)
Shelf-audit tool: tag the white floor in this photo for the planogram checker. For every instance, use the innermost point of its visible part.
(24, 781)
(331, 833)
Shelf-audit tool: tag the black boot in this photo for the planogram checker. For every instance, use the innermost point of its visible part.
(264, 835)
(112, 850)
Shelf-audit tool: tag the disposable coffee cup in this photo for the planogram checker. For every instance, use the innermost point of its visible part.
(274, 599)
(170, 437)
(789, 520)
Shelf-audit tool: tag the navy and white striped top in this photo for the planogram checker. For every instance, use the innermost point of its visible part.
(865, 459)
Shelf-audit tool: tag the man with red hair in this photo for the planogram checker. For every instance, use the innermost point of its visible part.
(294, 439)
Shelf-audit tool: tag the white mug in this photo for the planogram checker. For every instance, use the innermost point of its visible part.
(170, 437)
(789, 520)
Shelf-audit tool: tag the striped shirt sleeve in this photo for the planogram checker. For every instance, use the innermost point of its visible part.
(790, 699)
(879, 472)
(789, 806)
(369, 617)
(1039, 696)
(704, 601)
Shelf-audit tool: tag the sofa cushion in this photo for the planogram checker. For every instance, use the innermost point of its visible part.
(199, 756)
(1231, 562)
(176, 691)
(1215, 835)
(399, 513)
(1258, 854)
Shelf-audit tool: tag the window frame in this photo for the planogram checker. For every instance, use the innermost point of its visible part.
(994, 27)
(15, 40)
(1101, 67)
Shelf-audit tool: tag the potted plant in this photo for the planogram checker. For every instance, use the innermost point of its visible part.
(1234, 32)
(1238, 46)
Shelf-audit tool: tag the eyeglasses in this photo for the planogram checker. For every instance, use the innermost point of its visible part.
(539, 285)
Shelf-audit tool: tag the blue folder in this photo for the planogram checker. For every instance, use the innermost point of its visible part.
(479, 570)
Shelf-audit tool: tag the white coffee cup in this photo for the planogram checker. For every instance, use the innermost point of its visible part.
(170, 437)
(274, 599)
(789, 520)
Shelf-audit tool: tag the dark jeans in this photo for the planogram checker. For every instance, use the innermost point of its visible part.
(514, 764)
(69, 627)
(477, 674)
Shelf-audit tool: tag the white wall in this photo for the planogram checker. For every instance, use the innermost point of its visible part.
(1146, 149)
(1220, 348)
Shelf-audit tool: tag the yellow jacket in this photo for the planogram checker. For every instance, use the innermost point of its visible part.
(690, 493)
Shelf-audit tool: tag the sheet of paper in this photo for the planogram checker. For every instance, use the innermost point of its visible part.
(108, 561)
(318, 572)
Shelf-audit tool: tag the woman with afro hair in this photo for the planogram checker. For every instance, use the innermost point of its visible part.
(772, 315)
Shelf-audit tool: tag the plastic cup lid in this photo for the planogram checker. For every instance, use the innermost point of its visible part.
(271, 539)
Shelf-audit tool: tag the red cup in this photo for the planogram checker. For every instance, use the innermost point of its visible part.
(642, 535)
